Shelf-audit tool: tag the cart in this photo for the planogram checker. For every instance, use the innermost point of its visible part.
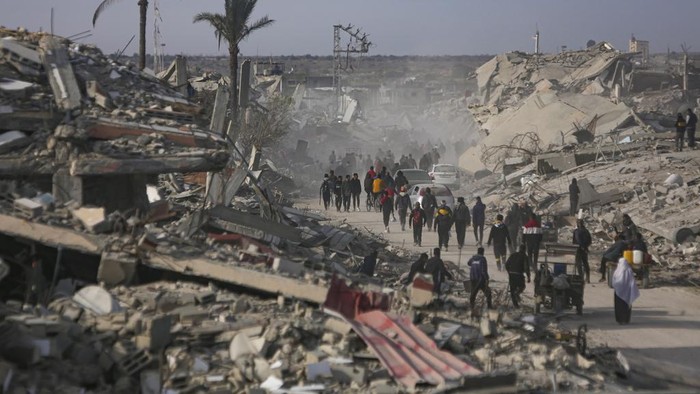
(641, 270)
(558, 283)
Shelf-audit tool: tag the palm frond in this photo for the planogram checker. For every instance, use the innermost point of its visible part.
(100, 8)
(257, 25)
(217, 21)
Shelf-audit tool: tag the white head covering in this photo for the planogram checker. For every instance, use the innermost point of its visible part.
(623, 282)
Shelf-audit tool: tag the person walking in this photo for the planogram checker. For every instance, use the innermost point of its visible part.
(429, 204)
(573, 197)
(338, 192)
(479, 278)
(436, 267)
(347, 193)
(443, 224)
(532, 237)
(378, 187)
(400, 180)
(355, 190)
(403, 204)
(417, 221)
(331, 158)
(479, 219)
(462, 219)
(680, 132)
(626, 291)
(517, 267)
(387, 206)
(500, 238)
(691, 121)
(325, 191)
(582, 238)
(368, 183)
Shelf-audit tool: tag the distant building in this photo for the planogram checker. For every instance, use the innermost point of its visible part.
(640, 46)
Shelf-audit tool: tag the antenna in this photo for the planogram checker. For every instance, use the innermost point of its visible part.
(358, 43)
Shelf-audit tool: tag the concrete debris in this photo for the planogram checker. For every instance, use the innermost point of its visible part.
(157, 255)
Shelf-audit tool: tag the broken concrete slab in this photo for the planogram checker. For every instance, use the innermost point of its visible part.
(54, 57)
(12, 140)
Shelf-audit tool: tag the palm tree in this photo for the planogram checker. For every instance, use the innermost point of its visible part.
(143, 9)
(234, 26)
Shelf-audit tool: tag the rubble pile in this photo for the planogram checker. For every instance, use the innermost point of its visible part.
(180, 337)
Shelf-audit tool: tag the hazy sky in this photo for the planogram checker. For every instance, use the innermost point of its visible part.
(398, 27)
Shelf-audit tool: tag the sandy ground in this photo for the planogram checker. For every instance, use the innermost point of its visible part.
(665, 321)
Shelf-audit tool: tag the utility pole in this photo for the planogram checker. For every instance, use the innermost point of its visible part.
(686, 49)
(358, 44)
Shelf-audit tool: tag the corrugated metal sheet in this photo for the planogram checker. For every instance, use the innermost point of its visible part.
(409, 355)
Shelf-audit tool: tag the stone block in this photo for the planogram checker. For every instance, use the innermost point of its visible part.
(28, 208)
(287, 266)
(116, 268)
(93, 219)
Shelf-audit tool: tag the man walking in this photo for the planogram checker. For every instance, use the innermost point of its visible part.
(532, 237)
(500, 238)
(517, 267)
(479, 278)
(582, 238)
(443, 224)
(462, 219)
(403, 203)
(325, 191)
(479, 219)
(355, 190)
(417, 221)
(691, 121)
(347, 193)
(429, 204)
(338, 192)
(573, 197)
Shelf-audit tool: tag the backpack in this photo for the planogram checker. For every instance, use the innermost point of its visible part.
(416, 216)
(383, 199)
(325, 187)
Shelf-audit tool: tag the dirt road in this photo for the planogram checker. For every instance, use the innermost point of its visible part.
(665, 321)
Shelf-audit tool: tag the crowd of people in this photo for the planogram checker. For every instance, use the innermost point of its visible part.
(515, 237)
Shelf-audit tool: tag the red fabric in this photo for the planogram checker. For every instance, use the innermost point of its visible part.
(532, 223)
(351, 302)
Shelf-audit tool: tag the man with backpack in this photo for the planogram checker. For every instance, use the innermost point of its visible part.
(417, 221)
(462, 219)
(443, 224)
(500, 238)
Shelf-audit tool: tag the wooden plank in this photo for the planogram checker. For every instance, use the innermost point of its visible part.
(103, 165)
(59, 71)
(230, 273)
(50, 235)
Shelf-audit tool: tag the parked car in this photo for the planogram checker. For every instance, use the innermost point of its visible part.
(414, 176)
(445, 174)
(441, 192)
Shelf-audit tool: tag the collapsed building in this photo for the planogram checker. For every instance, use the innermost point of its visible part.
(597, 116)
(126, 269)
